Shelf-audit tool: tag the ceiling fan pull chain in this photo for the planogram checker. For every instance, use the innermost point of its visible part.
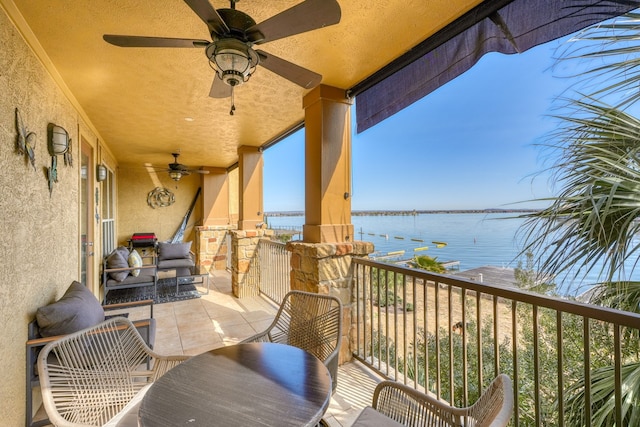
(233, 104)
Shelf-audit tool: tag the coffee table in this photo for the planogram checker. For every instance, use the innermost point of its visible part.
(197, 275)
(249, 385)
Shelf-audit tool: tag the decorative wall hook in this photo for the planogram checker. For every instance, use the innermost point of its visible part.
(25, 141)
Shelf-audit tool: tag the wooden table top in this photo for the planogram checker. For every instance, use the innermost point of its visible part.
(252, 384)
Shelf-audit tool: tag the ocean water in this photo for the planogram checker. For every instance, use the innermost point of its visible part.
(472, 239)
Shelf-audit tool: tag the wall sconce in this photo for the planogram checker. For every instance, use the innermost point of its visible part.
(58, 139)
(101, 173)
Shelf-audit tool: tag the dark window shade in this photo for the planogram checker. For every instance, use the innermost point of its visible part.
(513, 28)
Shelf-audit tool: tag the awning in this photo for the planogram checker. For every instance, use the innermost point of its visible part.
(506, 26)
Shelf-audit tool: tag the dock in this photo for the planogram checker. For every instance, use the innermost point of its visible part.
(499, 276)
(451, 265)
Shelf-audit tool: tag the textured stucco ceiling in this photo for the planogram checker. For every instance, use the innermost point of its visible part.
(138, 98)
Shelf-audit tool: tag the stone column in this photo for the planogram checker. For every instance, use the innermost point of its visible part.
(245, 274)
(325, 268)
(211, 246)
(322, 262)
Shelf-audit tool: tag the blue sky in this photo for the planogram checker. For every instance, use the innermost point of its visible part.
(468, 145)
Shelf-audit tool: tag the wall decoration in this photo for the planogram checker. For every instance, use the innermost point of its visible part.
(160, 198)
(25, 141)
(52, 173)
(58, 143)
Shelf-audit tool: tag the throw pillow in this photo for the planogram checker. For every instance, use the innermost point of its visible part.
(76, 310)
(135, 260)
(116, 259)
(173, 250)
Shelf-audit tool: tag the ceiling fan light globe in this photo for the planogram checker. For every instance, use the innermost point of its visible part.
(233, 60)
(175, 175)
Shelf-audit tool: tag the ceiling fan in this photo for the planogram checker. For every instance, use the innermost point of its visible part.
(177, 170)
(234, 33)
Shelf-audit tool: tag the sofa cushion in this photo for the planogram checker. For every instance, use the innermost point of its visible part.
(175, 263)
(135, 260)
(118, 259)
(174, 251)
(147, 275)
(77, 309)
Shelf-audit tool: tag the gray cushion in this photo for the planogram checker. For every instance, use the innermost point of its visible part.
(175, 263)
(77, 309)
(173, 250)
(118, 259)
(146, 276)
(369, 417)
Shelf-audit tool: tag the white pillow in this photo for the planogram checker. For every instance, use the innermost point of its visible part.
(135, 260)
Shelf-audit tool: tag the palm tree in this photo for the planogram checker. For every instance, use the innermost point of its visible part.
(596, 216)
(425, 262)
(597, 145)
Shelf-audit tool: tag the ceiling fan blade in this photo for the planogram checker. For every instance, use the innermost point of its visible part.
(208, 14)
(198, 171)
(219, 89)
(306, 16)
(290, 71)
(141, 41)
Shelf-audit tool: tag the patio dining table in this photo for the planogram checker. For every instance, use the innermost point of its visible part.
(250, 384)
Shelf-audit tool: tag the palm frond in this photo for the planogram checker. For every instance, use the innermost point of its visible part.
(595, 217)
(609, 54)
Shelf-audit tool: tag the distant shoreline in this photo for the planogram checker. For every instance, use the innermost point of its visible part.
(411, 212)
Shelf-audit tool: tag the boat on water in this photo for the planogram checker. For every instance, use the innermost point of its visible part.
(439, 244)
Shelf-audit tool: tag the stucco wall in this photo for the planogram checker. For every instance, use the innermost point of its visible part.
(39, 233)
(135, 215)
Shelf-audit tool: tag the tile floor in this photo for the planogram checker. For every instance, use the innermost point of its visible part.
(218, 319)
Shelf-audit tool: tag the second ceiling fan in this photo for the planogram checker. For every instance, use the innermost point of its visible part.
(234, 33)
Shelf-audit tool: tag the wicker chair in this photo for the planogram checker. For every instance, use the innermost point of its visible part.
(309, 321)
(88, 378)
(411, 407)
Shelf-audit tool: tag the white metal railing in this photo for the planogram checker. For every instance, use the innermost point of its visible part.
(452, 336)
(108, 236)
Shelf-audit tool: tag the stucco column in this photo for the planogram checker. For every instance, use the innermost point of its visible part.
(327, 166)
(251, 166)
(210, 237)
(215, 197)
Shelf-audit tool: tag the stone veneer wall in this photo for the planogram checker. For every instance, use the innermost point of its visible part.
(325, 268)
(243, 249)
(211, 246)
